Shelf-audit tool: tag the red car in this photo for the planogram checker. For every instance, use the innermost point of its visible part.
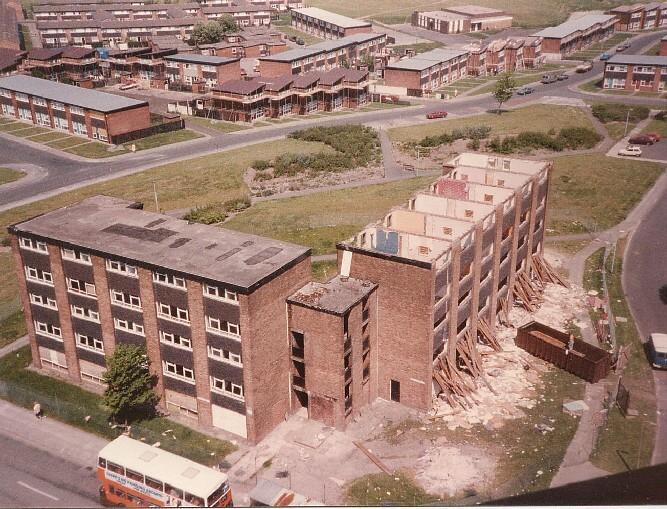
(654, 136)
(641, 139)
(436, 114)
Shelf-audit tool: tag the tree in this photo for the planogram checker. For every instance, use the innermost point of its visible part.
(504, 89)
(207, 33)
(228, 24)
(129, 393)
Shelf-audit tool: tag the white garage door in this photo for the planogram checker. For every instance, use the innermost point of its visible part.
(229, 420)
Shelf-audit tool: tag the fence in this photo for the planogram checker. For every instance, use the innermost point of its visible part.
(165, 127)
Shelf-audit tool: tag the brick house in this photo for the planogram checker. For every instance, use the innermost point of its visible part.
(576, 34)
(97, 115)
(462, 19)
(427, 71)
(208, 304)
(326, 24)
(631, 18)
(190, 70)
(645, 73)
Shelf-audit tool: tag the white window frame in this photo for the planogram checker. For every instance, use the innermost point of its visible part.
(164, 311)
(122, 268)
(33, 274)
(75, 256)
(92, 378)
(42, 329)
(219, 385)
(125, 300)
(225, 356)
(33, 245)
(88, 288)
(215, 326)
(85, 313)
(222, 294)
(169, 280)
(43, 301)
(171, 369)
(127, 326)
(175, 340)
(82, 342)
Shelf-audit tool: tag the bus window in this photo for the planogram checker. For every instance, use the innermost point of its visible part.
(102, 462)
(174, 492)
(193, 500)
(154, 483)
(115, 468)
(136, 476)
(216, 495)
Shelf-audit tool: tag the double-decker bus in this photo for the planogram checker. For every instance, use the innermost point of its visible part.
(135, 474)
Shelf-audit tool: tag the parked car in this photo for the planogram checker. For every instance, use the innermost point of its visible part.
(549, 78)
(620, 48)
(657, 347)
(630, 150)
(300, 41)
(654, 136)
(585, 67)
(525, 91)
(292, 38)
(436, 114)
(642, 139)
(562, 76)
(605, 56)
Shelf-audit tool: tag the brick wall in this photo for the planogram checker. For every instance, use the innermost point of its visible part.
(129, 120)
(270, 69)
(402, 78)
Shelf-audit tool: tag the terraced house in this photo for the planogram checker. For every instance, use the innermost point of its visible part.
(576, 34)
(326, 24)
(96, 115)
(631, 18)
(646, 73)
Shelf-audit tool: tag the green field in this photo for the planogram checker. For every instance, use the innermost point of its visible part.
(219, 125)
(541, 117)
(289, 31)
(657, 126)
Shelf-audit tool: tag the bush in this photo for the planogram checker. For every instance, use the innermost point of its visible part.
(473, 144)
(208, 214)
(360, 143)
(478, 132)
(579, 137)
(261, 164)
(613, 112)
(568, 138)
(661, 115)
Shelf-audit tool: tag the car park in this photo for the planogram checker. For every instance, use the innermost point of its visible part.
(525, 91)
(436, 114)
(641, 139)
(630, 151)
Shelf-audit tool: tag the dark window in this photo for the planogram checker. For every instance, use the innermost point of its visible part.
(154, 483)
(102, 462)
(115, 468)
(134, 475)
(395, 387)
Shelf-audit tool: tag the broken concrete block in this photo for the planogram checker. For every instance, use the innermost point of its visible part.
(575, 408)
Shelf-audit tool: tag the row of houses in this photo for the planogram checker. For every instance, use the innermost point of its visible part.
(239, 337)
(576, 34)
(462, 19)
(326, 24)
(433, 69)
(641, 73)
(631, 18)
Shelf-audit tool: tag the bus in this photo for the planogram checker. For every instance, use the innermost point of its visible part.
(135, 474)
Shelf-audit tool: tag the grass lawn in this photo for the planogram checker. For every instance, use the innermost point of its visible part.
(521, 78)
(50, 136)
(30, 131)
(319, 220)
(160, 139)
(9, 286)
(616, 130)
(384, 489)
(67, 142)
(324, 270)
(569, 247)
(94, 150)
(12, 327)
(657, 126)
(585, 188)
(9, 127)
(595, 49)
(541, 117)
(8, 175)
(631, 437)
(220, 125)
(290, 31)
(70, 404)
(419, 47)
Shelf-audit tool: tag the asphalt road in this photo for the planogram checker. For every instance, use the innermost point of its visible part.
(645, 272)
(30, 477)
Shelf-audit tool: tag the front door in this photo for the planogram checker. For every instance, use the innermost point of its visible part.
(395, 391)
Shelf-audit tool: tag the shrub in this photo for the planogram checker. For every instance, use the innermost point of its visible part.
(661, 115)
(360, 143)
(478, 132)
(261, 164)
(473, 144)
(613, 112)
(579, 137)
(208, 214)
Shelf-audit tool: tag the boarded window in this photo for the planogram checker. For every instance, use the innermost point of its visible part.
(488, 198)
(446, 230)
(468, 213)
(501, 182)
(423, 250)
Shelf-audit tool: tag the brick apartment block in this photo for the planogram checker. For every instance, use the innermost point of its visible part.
(645, 73)
(208, 71)
(352, 50)
(237, 334)
(631, 18)
(576, 34)
(208, 304)
(504, 55)
(462, 19)
(75, 63)
(67, 108)
(326, 24)
(251, 42)
(427, 71)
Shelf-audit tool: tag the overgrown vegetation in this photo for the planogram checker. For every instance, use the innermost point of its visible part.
(217, 212)
(353, 146)
(383, 489)
(572, 138)
(475, 132)
(85, 410)
(617, 112)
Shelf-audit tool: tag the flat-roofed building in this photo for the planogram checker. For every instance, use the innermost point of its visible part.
(326, 24)
(96, 115)
(462, 19)
(201, 72)
(348, 51)
(445, 263)
(631, 18)
(575, 34)
(426, 72)
(207, 303)
(251, 42)
(645, 73)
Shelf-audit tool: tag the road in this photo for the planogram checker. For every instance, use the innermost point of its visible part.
(63, 173)
(33, 478)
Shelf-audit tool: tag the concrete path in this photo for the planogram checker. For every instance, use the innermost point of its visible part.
(391, 167)
(12, 347)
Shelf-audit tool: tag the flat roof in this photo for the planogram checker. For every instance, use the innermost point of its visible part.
(428, 59)
(659, 341)
(474, 10)
(110, 226)
(336, 296)
(574, 25)
(163, 465)
(69, 94)
(321, 47)
(332, 17)
(201, 59)
(620, 58)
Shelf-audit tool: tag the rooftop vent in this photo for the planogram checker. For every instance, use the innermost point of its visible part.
(179, 242)
(263, 255)
(229, 253)
(155, 223)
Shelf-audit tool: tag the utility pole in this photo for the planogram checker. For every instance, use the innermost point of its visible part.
(157, 206)
(627, 119)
